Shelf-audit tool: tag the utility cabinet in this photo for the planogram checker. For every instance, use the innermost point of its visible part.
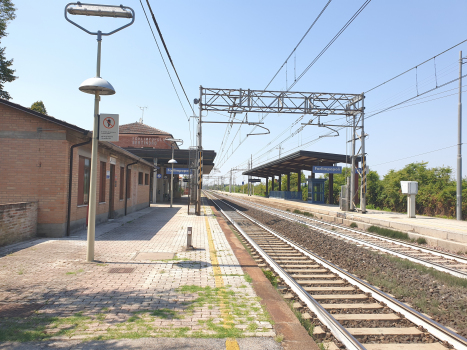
(410, 188)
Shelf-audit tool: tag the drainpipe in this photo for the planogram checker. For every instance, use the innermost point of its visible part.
(70, 181)
(126, 184)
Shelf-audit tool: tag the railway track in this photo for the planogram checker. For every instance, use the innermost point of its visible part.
(441, 261)
(348, 311)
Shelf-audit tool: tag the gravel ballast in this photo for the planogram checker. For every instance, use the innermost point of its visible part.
(440, 298)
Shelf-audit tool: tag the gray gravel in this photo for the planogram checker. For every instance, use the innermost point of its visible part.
(448, 304)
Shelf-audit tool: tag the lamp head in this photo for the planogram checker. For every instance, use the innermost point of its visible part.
(93, 85)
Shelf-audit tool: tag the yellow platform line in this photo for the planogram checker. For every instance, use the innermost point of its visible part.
(230, 344)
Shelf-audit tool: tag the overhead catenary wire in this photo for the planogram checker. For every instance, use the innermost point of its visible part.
(296, 46)
(355, 15)
(436, 72)
(408, 70)
(168, 54)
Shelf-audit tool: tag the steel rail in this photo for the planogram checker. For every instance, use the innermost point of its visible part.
(386, 239)
(436, 266)
(436, 329)
(323, 315)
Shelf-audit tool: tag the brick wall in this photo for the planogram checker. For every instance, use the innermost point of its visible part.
(18, 222)
(139, 141)
(35, 167)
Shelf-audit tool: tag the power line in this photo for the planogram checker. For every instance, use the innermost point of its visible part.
(331, 42)
(165, 65)
(168, 54)
(310, 65)
(295, 48)
(395, 105)
(408, 70)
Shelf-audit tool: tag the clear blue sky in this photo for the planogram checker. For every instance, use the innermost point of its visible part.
(241, 44)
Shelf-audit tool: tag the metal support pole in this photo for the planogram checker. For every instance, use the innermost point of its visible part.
(154, 187)
(93, 175)
(299, 181)
(200, 149)
(172, 179)
(363, 179)
(459, 145)
(230, 182)
(352, 174)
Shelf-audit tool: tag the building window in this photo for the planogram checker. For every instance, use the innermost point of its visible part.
(122, 182)
(140, 178)
(128, 183)
(146, 179)
(84, 176)
(102, 182)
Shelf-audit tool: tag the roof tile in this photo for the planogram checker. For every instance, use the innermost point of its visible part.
(140, 128)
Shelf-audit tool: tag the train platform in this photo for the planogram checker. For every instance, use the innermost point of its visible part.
(144, 290)
(439, 232)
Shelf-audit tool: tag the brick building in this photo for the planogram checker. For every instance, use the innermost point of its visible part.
(38, 152)
(139, 135)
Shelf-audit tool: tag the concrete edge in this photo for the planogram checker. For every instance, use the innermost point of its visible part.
(285, 322)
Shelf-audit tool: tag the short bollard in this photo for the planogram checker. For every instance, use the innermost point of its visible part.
(188, 238)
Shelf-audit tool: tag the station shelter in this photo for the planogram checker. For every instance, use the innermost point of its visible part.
(296, 163)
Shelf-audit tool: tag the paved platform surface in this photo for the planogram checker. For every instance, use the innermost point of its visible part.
(252, 343)
(444, 232)
(48, 291)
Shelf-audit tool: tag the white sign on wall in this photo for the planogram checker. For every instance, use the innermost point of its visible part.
(108, 127)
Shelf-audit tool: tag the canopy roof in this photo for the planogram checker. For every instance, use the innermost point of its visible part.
(182, 156)
(295, 162)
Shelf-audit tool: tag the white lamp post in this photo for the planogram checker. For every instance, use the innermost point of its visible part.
(172, 161)
(97, 87)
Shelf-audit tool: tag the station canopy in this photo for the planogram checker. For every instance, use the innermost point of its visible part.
(300, 160)
(182, 156)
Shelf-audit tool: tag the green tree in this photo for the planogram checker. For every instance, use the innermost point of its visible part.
(7, 13)
(39, 107)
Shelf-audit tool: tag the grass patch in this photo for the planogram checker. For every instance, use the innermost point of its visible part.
(307, 324)
(442, 277)
(389, 233)
(296, 211)
(421, 240)
(74, 272)
(279, 338)
(353, 225)
(271, 277)
(248, 278)
(37, 328)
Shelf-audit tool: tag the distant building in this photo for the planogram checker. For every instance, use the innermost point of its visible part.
(37, 153)
(139, 135)
(150, 144)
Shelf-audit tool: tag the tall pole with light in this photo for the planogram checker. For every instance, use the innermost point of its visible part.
(97, 87)
(459, 143)
(173, 161)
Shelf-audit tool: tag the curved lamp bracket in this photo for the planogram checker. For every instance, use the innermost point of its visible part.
(337, 132)
(262, 133)
(99, 11)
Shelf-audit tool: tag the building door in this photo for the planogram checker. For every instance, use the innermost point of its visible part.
(112, 186)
